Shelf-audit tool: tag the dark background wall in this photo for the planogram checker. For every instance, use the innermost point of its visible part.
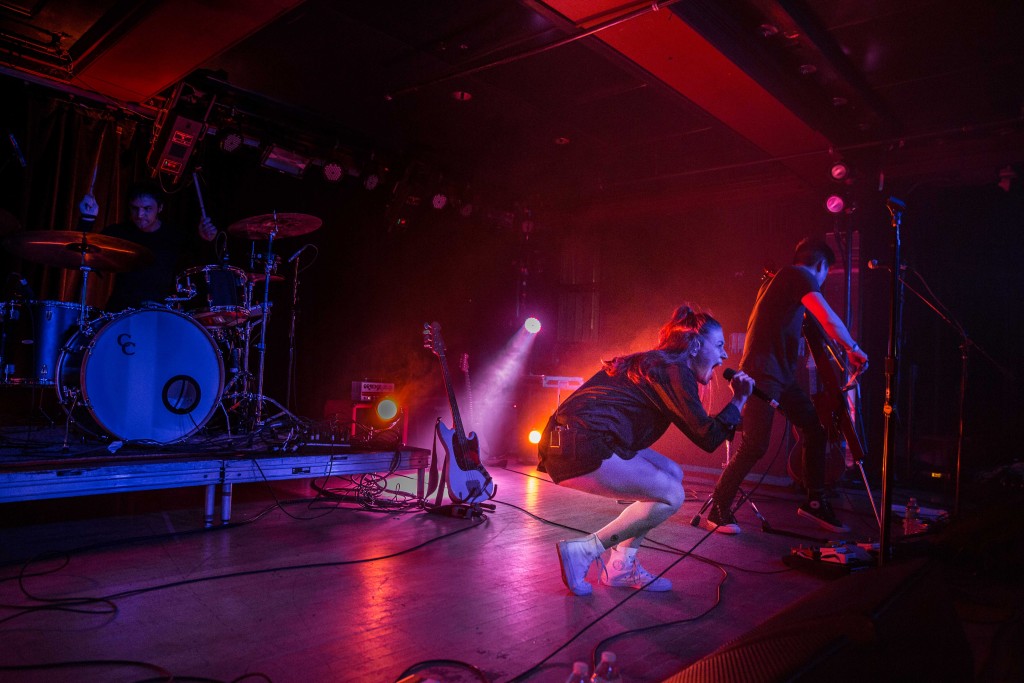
(602, 283)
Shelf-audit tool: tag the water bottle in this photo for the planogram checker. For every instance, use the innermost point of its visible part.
(579, 673)
(911, 523)
(607, 670)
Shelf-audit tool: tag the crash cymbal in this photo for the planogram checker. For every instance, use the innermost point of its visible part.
(281, 225)
(72, 249)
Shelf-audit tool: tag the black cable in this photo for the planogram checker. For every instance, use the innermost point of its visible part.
(31, 609)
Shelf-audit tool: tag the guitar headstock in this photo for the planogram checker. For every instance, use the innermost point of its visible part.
(432, 338)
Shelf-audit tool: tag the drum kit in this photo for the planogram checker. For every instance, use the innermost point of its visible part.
(159, 373)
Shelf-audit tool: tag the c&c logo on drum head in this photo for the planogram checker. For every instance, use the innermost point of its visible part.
(127, 347)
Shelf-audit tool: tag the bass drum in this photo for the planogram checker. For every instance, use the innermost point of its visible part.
(150, 375)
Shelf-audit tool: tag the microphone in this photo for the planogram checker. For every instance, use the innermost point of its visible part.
(17, 150)
(296, 254)
(729, 373)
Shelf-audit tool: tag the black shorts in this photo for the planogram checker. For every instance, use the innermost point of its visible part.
(567, 452)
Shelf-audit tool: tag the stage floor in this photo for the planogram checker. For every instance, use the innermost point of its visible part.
(335, 579)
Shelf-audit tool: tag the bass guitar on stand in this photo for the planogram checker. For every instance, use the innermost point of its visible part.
(466, 478)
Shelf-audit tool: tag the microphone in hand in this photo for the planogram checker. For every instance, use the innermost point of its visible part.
(729, 373)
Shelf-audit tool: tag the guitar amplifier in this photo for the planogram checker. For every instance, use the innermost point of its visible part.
(366, 391)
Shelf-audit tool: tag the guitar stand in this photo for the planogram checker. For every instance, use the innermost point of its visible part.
(462, 510)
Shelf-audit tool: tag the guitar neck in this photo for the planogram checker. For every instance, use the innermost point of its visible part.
(460, 432)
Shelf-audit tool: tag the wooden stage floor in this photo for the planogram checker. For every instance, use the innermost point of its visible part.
(313, 581)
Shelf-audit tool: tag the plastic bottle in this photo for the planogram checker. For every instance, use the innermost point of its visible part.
(911, 518)
(579, 673)
(607, 670)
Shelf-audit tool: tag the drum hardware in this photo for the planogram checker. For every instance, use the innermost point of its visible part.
(151, 375)
(270, 227)
(189, 293)
(291, 330)
(81, 250)
(32, 337)
(222, 294)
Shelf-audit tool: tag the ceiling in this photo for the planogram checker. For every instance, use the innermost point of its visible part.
(576, 104)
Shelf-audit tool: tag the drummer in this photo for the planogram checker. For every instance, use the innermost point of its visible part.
(171, 246)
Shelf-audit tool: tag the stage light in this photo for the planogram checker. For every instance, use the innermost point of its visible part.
(333, 172)
(532, 325)
(835, 203)
(371, 181)
(387, 409)
(840, 171)
(440, 200)
(285, 161)
(534, 436)
(231, 142)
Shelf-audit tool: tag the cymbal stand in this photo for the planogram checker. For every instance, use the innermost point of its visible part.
(85, 287)
(261, 348)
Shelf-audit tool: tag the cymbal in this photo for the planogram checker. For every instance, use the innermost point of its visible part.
(72, 249)
(281, 225)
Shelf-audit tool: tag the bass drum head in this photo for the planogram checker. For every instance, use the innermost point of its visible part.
(152, 375)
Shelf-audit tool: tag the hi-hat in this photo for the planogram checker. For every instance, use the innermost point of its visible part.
(73, 249)
(279, 225)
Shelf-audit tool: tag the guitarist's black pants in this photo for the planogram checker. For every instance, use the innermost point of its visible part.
(796, 406)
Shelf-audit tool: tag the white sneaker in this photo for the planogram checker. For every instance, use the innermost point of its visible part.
(623, 571)
(576, 558)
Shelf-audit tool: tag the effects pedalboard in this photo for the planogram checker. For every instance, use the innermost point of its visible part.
(835, 558)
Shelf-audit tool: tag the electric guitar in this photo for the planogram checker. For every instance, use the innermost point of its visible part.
(467, 480)
(838, 406)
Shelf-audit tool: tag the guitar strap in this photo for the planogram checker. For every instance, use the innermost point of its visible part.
(435, 481)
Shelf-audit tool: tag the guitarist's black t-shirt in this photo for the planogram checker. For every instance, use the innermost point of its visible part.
(771, 349)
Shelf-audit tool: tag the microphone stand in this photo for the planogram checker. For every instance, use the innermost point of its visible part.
(966, 343)
(291, 332)
(896, 208)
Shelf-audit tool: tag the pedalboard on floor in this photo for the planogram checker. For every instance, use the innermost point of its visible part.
(835, 559)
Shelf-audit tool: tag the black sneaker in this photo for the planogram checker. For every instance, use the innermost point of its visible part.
(820, 511)
(720, 520)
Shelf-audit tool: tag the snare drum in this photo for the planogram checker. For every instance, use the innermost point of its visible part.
(221, 295)
(148, 375)
(33, 333)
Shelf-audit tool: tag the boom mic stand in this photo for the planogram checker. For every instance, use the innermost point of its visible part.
(291, 330)
(966, 344)
(896, 208)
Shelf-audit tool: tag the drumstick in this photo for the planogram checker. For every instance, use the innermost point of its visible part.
(96, 166)
(199, 193)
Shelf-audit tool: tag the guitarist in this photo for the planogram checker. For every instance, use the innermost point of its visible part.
(599, 439)
(770, 357)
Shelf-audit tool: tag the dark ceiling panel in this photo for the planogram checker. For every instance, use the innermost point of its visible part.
(741, 91)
